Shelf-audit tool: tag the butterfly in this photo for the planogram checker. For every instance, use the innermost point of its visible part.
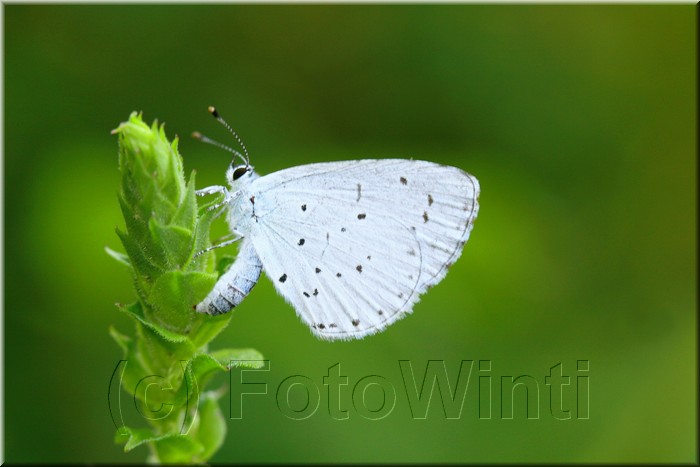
(350, 245)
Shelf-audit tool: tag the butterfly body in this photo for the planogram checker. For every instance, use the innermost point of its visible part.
(235, 284)
(350, 245)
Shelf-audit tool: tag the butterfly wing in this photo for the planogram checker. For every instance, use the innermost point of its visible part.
(352, 245)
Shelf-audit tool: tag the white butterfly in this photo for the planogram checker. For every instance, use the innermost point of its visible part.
(350, 245)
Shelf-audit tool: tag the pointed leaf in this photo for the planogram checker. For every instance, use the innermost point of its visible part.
(186, 215)
(120, 257)
(207, 261)
(178, 449)
(143, 267)
(133, 437)
(170, 448)
(175, 241)
(135, 311)
(205, 327)
(174, 296)
(122, 340)
(248, 358)
(203, 367)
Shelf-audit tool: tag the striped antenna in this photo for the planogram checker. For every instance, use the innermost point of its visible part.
(204, 139)
(212, 110)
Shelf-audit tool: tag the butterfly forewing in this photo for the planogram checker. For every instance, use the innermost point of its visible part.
(352, 245)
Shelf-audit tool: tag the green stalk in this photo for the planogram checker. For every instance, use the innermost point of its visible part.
(168, 364)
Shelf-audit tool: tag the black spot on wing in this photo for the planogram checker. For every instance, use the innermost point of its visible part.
(359, 268)
(301, 241)
(430, 200)
(425, 217)
(283, 277)
(403, 180)
(303, 207)
(318, 270)
(361, 216)
(355, 322)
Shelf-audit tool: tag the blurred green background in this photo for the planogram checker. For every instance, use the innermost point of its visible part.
(579, 122)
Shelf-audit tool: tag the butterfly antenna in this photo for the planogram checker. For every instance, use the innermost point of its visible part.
(212, 110)
(204, 139)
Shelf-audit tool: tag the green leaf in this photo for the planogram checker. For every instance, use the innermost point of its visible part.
(203, 367)
(244, 358)
(164, 357)
(143, 269)
(170, 448)
(178, 449)
(133, 437)
(134, 369)
(203, 262)
(122, 341)
(186, 215)
(205, 327)
(212, 426)
(136, 311)
(174, 296)
(175, 240)
(120, 257)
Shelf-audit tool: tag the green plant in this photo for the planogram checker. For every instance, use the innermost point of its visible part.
(165, 227)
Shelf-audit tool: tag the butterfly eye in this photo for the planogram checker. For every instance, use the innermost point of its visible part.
(239, 172)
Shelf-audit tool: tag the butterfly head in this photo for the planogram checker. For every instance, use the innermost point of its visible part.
(239, 174)
(236, 174)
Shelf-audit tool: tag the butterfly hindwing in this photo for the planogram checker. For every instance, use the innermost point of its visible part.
(352, 245)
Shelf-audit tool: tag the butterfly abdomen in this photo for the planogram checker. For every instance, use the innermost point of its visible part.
(235, 284)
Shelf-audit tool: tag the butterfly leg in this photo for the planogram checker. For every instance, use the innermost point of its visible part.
(216, 189)
(212, 190)
(218, 245)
